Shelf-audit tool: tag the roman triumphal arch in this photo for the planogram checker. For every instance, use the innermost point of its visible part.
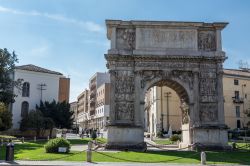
(186, 56)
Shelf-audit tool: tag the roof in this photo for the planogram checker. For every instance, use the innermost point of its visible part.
(34, 68)
(237, 72)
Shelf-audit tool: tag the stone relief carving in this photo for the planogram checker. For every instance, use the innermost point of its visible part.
(185, 112)
(124, 111)
(125, 38)
(208, 112)
(208, 85)
(185, 76)
(172, 65)
(120, 64)
(207, 41)
(124, 94)
(148, 75)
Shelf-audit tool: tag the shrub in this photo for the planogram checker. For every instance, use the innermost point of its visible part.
(52, 145)
(175, 138)
(159, 134)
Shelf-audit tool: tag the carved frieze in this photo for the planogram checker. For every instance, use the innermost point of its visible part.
(208, 85)
(172, 65)
(124, 89)
(148, 75)
(112, 64)
(207, 40)
(125, 38)
(124, 111)
(185, 112)
(185, 76)
(208, 112)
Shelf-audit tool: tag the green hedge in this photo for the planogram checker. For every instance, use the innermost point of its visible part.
(175, 138)
(52, 145)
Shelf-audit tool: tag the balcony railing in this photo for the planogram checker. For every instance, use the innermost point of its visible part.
(238, 100)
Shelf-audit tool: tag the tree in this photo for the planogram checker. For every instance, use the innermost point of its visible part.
(36, 121)
(59, 112)
(7, 66)
(5, 118)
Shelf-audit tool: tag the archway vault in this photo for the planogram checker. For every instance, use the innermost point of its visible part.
(185, 56)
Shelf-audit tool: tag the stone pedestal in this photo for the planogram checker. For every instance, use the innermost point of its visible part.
(126, 138)
(211, 138)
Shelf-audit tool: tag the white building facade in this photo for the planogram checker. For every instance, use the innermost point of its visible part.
(38, 84)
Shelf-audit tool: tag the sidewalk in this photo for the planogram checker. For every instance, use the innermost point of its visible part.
(20, 162)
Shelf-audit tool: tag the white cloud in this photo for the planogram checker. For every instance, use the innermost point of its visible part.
(41, 51)
(88, 25)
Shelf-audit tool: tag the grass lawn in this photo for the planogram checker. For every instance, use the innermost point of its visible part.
(85, 141)
(35, 151)
(163, 141)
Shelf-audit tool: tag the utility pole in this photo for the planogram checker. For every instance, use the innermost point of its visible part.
(41, 87)
(162, 129)
(167, 95)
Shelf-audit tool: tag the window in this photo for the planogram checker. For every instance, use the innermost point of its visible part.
(236, 82)
(236, 94)
(26, 89)
(238, 124)
(237, 108)
(24, 109)
(245, 96)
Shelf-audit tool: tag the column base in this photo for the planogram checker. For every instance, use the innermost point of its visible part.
(126, 138)
(210, 137)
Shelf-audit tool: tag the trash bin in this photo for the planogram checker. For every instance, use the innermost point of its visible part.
(9, 151)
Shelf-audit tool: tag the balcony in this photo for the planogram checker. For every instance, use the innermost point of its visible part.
(92, 86)
(92, 112)
(238, 100)
(92, 94)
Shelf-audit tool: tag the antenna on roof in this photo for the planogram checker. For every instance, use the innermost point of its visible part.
(41, 87)
(243, 65)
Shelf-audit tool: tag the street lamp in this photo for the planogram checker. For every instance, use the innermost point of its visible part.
(167, 95)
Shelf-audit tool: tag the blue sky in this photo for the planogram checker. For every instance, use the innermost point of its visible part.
(69, 36)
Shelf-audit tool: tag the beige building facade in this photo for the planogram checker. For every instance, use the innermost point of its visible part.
(83, 109)
(162, 110)
(102, 109)
(164, 103)
(236, 88)
(95, 82)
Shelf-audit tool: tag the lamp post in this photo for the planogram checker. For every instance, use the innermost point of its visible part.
(167, 95)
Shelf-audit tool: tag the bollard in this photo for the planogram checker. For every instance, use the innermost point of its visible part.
(2, 142)
(203, 158)
(35, 139)
(9, 151)
(48, 138)
(89, 152)
(234, 146)
(22, 139)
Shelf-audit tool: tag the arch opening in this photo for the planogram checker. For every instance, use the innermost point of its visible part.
(166, 108)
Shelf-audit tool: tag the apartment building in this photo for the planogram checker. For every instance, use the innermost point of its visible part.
(83, 109)
(102, 106)
(236, 89)
(94, 83)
